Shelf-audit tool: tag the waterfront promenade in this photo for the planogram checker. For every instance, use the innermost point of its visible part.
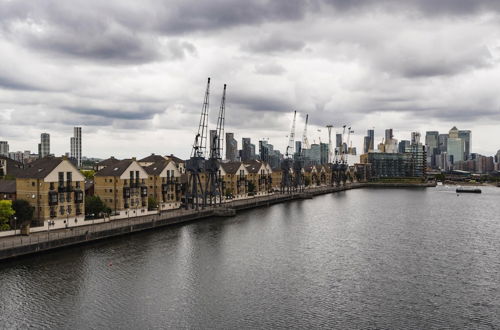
(14, 246)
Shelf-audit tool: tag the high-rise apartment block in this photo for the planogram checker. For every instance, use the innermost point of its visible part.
(44, 145)
(231, 147)
(369, 141)
(4, 148)
(76, 146)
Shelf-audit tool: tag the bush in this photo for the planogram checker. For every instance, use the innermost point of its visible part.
(6, 211)
(24, 211)
(152, 203)
(94, 206)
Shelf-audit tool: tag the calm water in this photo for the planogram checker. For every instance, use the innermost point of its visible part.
(370, 258)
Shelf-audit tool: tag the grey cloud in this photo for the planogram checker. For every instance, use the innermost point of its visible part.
(260, 102)
(269, 69)
(426, 7)
(274, 43)
(137, 114)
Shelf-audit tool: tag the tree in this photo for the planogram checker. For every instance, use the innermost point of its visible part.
(152, 203)
(6, 211)
(94, 206)
(88, 174)
(251, 187)
(24, 212)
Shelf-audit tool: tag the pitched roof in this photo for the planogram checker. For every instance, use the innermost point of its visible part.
(175, 159)
(116, 169)
(152, 159)
(13, 166)
(40, 168)
(8, 186)
(110, 161)
(231, 167)
(253, 166)
(157, 167)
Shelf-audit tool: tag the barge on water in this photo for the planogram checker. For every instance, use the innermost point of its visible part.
(469, 190)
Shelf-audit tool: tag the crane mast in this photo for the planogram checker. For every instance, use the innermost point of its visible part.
(291, 139)
(214, 183)
(305, 141)
(200, 140)
(195, 165)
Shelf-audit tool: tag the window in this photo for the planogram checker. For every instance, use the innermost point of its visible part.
(52, 186)
(61, 210)
(33, 184)
(78, 184)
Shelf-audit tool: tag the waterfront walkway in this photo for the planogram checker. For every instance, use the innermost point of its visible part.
(13, 246)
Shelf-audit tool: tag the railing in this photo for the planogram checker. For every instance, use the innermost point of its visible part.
(93, 230)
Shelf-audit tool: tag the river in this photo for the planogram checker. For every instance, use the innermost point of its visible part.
(360, 259)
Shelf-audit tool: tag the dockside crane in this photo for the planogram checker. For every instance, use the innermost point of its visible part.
(287, 163)
(195, 165)
(214, 183)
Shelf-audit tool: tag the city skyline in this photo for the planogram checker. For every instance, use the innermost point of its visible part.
(143, 78)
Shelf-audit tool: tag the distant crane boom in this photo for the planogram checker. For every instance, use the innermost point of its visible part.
(219, 138)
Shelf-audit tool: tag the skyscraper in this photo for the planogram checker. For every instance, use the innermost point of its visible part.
(415, 137)
(369, 141)
(465, 135)
(431, 141)
(442, 143)
(246, 149)
(371, 135)
(231, 147)
(44, 146)
(76, 146)
(338, 140)
(388, 134)
(455, 146)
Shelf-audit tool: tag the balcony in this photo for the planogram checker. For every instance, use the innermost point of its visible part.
(126, 205)
(78, 196)
(126, 192)
(53, 198)
(61, 188)
(144, 191)
(165, 188)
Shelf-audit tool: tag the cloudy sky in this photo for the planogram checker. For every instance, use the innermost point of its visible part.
(133, 73)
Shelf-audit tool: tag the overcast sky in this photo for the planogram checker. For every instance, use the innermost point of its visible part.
(133, 73)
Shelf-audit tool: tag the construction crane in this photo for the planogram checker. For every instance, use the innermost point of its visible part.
(196, 164)
(287, 163)
(305, 141)
(214, 183)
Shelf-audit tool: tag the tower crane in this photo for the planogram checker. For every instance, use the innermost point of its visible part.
(196, 164)
(305, 141)
(214, 183)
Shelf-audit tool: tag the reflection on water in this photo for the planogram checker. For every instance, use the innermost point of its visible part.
(368, 258)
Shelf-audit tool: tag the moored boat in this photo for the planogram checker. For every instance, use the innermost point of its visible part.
(469, 190)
